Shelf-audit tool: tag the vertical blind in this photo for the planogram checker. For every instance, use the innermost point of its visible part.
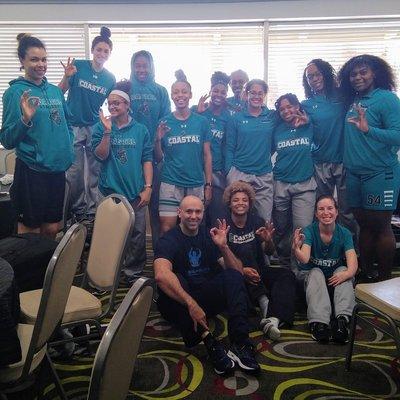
(61, 41)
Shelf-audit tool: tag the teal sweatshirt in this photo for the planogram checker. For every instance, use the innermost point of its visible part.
(183, 150)
(235, 105)
(122, 171)
(46, 145)
(376, 150)
(87, 92)
(327, 117)
(218, 125)
(249, 141)
(293, 163)
(149, 100)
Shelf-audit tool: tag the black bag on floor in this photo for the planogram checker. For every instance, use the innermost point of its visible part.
(28, 254)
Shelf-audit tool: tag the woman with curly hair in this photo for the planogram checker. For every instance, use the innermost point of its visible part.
(183, 141)
(218, 116)
(326, 112)
(250, 238)
(371, 139)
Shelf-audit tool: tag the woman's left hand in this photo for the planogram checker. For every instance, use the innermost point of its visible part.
(361, 120)
(145, 196)
(338, 278)
(301, 119)
(266, 232)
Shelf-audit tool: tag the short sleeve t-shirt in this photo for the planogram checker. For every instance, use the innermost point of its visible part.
(329, 256)
(193, 257)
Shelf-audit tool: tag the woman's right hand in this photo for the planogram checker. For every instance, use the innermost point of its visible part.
(69, 68)
(106, 122)
(298, 239)
(29, 105)
(203, 105)
(162, 129)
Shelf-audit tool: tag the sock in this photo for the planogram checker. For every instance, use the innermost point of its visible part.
(263, 303)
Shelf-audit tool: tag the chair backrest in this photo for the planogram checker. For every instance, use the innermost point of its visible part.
(116, 355)
(10, 162)
(57, 285)
(112, 228)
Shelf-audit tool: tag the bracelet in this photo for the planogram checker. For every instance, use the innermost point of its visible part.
(148, 186)
(208, 184)
(107, 133)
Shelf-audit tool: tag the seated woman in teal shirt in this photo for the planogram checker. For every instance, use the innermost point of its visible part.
(294, 183)
(371, 142)
(321, 250)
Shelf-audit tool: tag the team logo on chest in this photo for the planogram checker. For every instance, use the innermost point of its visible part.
(194, 257)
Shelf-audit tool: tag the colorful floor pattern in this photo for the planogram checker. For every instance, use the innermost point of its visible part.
(294, 368)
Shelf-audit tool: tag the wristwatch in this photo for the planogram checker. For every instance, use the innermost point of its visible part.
(208, 184)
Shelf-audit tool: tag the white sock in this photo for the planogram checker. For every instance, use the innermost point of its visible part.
(263, 303)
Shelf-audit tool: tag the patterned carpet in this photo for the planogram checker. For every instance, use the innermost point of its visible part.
(294, 368)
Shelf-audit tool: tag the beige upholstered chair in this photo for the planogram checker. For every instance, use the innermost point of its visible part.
(116, 355)
(10, 162)
(112, 228)
(57, 284)
(383, 300)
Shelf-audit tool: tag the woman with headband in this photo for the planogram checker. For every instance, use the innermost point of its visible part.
(124, 149)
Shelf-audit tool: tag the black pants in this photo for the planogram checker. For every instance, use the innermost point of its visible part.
(224, 292)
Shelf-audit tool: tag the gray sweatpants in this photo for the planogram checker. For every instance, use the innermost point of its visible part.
(263, 186)
(329, 176)
(293, 208)
(83, 174)
(319, 308)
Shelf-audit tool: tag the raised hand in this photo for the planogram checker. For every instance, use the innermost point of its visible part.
(106, 122)
(359, 121)
(162, 129)
(29, 105)
(266, 232)
(203, 105)
(69, 67)
(219, 233)
(298, 239)
(301, 119)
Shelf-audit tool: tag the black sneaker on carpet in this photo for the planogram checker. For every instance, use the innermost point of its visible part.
(340, 329)
(320, 332)
(222, 363)
(243, 355)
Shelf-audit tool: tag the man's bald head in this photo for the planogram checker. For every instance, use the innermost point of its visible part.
(190, 201)
(190, 212)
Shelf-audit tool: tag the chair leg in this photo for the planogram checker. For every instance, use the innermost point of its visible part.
(56, 379)
(353, 325)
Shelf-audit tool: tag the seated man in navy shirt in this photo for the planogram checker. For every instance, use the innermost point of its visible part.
(198, 276)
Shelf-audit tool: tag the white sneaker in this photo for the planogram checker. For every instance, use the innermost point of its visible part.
(270, 328)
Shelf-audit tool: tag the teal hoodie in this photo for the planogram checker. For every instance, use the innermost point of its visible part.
(249, 142)
(122, 171)
(376, 150)
(46, 145)
(327, 117)
(149, 100)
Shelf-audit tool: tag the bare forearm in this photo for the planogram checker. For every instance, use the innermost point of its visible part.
(208, 166)
(103, 149)
(158, 150)
(64, 84)
(230, 260)
(148, 172)
(301, 255)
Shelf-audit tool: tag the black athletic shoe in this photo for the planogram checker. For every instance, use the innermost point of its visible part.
(222, 363)
(340, 329)
(320, 332)
(243, 355)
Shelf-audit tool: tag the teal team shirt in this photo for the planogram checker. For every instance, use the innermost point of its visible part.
(88, 89)
(249, 142)
(46, 145)
(376, 150)
(294, 162)
(122, 171)
(218, 125)
(327, 117)
(235, 105)
(183, 150)
(327, 257)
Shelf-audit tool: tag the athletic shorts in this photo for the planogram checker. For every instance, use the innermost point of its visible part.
(38, 197)
(377, 191)
(171, 196)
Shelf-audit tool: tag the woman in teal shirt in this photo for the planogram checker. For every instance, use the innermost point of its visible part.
(326, 112)
(218, 116)
(371, 142)
(294, 183)
(183, 140)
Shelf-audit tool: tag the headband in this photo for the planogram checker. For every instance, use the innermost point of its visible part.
(122, 94)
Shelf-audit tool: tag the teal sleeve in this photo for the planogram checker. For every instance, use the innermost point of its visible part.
(348, 241)
(230, 144)
(165, 104)
(97, 135)
(390, 117)
(147, 154)
(308, 236)
(13, 130)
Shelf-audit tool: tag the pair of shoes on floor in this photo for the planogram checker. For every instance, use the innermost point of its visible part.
(240, 354)
(270, 327)
(338, 333)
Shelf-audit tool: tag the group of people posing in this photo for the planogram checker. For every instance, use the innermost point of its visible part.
(265, 181)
